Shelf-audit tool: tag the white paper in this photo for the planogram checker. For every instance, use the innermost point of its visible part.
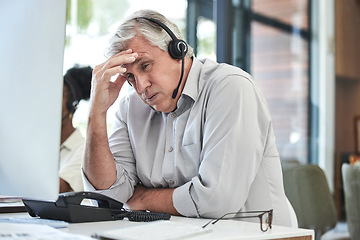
(35, 232)
(159, 230)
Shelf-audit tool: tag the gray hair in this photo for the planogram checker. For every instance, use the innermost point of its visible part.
(136, 24)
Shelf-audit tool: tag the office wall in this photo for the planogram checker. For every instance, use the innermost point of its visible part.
(347, 72)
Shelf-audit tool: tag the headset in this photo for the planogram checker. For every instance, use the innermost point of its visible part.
(177, 48)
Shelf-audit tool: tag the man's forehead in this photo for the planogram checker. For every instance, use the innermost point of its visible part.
(141, 56)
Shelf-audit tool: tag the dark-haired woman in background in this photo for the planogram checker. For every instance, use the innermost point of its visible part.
(77, 84)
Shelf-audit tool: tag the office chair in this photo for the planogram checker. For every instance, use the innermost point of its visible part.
(307, 190)
(351, 182)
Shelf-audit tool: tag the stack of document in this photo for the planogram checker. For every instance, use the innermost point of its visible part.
(35, 232)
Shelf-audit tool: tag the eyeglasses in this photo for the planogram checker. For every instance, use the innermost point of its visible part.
(265, 218)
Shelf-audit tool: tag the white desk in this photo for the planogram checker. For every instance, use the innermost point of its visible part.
(226, 229)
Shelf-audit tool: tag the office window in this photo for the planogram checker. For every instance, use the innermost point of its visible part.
(280, 66)
(206, 38)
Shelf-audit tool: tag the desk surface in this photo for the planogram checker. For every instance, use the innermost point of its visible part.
(226, 229)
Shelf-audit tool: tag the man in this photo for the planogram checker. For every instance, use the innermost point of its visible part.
(202, 151)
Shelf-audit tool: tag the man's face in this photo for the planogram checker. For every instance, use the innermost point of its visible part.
(154, 75)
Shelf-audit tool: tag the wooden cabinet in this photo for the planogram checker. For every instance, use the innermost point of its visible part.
(347, 91)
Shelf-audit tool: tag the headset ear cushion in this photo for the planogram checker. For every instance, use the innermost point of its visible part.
(175, 48)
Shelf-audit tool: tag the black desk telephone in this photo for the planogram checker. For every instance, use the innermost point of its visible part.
(68, 208)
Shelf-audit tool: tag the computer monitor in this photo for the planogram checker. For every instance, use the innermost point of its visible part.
(31, 62)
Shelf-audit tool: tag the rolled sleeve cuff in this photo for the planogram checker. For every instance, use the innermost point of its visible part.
(87, 185)
(183, 201)
(119, 191)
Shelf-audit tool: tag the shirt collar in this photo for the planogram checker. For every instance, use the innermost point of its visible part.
(191, 87)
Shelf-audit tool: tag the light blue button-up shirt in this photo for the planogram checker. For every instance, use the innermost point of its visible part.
(217, 148)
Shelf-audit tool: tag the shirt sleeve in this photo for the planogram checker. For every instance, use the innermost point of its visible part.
(71, 157)
(121, 190)
(70, 170)
(234, 136)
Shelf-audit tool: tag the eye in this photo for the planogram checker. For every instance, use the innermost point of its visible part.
(145, 66)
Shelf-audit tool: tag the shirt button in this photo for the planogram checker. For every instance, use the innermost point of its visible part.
(171, 182)
(170, 149)
(173, 115)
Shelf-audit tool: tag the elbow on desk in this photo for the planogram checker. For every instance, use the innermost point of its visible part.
(218, 203)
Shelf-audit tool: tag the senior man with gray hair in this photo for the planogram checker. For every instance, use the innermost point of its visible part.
(193, 138)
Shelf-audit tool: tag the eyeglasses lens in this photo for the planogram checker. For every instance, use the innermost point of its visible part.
(264, 221)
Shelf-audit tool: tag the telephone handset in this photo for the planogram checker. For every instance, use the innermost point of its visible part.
(68, 207)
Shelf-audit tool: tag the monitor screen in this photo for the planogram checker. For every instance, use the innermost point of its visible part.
(32, 48)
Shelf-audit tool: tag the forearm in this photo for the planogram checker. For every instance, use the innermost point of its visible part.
(64, 186)
(153, 199)
(99, 165)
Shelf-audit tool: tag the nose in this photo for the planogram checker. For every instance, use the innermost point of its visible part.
(142, 83)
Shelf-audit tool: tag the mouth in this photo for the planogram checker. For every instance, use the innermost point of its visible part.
(150, 98)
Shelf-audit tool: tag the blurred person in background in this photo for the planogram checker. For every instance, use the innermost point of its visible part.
(77, 84)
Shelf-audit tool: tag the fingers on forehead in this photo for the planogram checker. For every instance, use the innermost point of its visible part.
(120, 59)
